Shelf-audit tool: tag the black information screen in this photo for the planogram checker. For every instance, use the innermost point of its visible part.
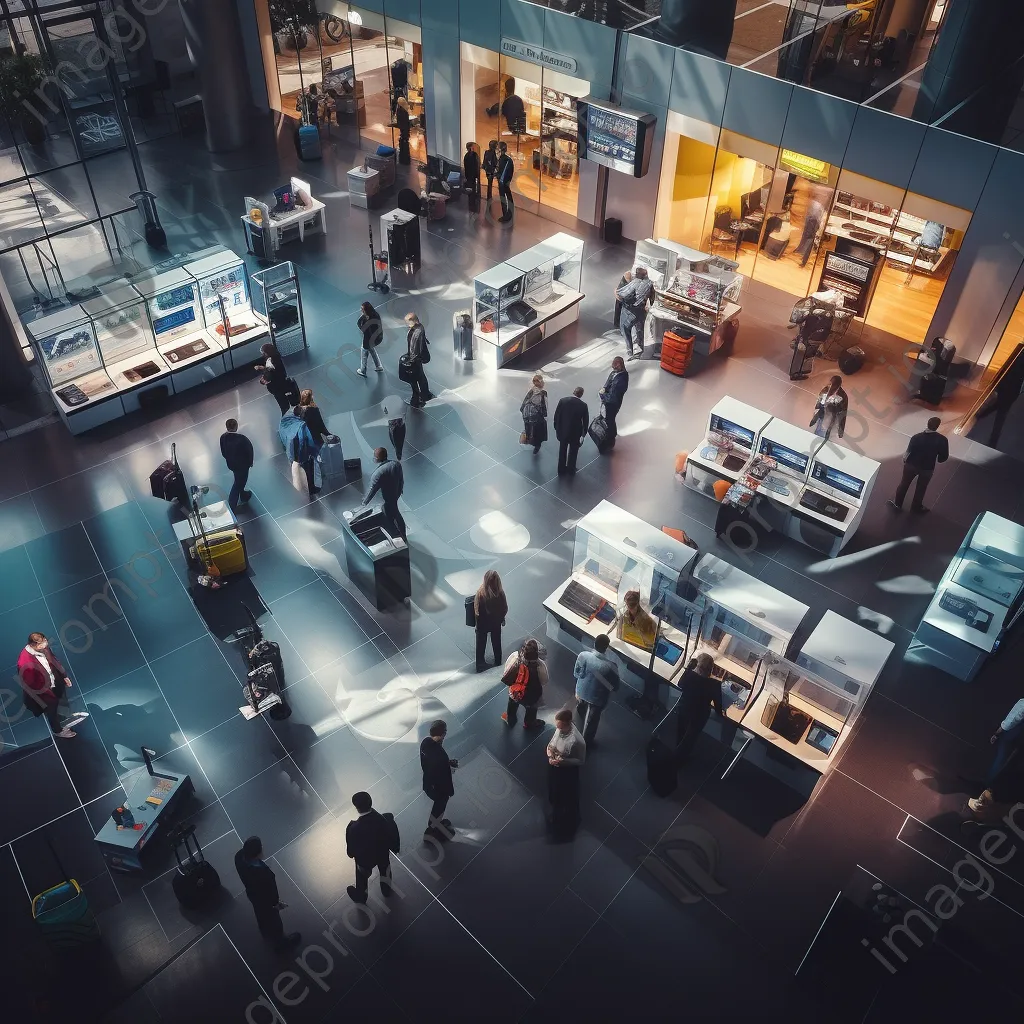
(733, 431)
(785, 457)
(840, 481)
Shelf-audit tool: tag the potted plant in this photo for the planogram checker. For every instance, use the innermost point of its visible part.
(20, 76)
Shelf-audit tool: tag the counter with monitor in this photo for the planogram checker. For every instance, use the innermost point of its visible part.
(978, 599)
(293, 214)
(530, 297)
(614, 553)
(730, 438)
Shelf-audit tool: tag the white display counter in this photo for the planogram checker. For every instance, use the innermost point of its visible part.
(730, 438)
(268, 235)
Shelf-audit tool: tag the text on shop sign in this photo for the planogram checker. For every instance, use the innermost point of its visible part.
(538, 55)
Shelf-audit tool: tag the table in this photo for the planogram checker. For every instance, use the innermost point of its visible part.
(282, 228)
(738, 227)
(122, 847)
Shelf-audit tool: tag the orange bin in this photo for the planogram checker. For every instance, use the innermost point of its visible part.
(676, 353)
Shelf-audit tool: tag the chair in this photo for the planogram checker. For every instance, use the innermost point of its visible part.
(777, 235)
(721, 232)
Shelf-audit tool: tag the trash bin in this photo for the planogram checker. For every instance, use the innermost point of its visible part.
(64, 917)
(145, 203)
(463, 331)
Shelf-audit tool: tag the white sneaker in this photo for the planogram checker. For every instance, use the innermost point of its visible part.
(362, 373)
(66, 734)
(380, 369)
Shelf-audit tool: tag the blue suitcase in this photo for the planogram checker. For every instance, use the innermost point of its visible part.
(309, 143)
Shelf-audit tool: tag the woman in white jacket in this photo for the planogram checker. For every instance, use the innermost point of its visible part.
(566, 751)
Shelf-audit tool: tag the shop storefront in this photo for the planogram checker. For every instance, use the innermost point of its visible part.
(802, 225)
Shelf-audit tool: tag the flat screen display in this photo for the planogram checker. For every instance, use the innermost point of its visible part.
(821, 737)
(617, 138)
(70, 353)
(840, 481)
(166, 324)
(787, 458)
(733, 431)
(174, 297)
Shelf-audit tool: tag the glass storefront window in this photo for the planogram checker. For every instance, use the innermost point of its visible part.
(685, 187)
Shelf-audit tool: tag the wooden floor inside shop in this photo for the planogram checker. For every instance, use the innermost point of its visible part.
(558, 193)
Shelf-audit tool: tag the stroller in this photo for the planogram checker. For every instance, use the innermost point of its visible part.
(264, 669)
(820, 325)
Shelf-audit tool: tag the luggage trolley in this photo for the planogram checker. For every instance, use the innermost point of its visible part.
(264, 669)
(821, 325)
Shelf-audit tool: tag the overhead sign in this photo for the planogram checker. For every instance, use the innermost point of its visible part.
(808, 166)
(538, 55)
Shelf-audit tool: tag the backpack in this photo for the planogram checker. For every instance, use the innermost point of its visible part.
(516, 678)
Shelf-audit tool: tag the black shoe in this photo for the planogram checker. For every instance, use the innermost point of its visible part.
(355, 895)
(245, 498)
(447, 823)
(385, 890)
(290, 941)
(481, 666)
(892, 504)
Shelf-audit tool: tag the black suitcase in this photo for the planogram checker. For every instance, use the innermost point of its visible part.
(600, 434)
(852, 359)
(462, 327)
(196, 882)
(168, 482)
(662, 772)
(933, 387)
(471, 610)
(613, 230)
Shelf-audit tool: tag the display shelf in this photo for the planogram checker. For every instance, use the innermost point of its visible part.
(223, 287)
(88, 390)
(138, 371)
(277, 303)
(179, 354)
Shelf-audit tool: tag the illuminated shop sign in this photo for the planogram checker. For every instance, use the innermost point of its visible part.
(807, 166)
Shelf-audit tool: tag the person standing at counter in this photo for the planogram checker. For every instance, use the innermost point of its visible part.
(830, 409)
(490, 607)
(525, 675)
(635, 297)
(635, 625)
(923, 451)
(566, 752)
(534, 409)
(699, 692)
(611, 395)
(389, 479)
(597, 677)
(571, 419)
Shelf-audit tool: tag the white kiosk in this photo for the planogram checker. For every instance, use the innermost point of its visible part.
(729, 440)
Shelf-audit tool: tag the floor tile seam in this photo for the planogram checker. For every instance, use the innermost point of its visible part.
(245, 963)
(934, 725)
(373, 963)
(67, 813)
(327, 924)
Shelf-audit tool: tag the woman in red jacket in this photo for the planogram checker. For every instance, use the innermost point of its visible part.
(44, 680)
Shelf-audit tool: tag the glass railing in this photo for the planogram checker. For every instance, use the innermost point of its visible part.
(613, 13)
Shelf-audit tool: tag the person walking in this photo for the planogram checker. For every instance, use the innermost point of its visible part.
(490, 167)
(437, 769)
(923, 451)
(418, 354)
(372, 329)
(369, 841)
(615, 387)
(261, 889)
(301, 447)
(623, 281)
(237, 451)
(534, 409)
(525, 675)
(275, 377)
(1007, 739)
(389, 479)
(490, 607)
(566, 752)
(309, 412)
(43, 681)
(572, 417)
(505, 172)
(699, 691)
(830, 409)
(394, 409)
(597, 677)
(635, 296)
(471, 172)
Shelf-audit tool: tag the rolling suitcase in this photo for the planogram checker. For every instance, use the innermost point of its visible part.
(462, 325)
(308, 142)
(933, 387)
(600, 434)
(196, 882)
(662, 773)
(437, 206)
(332, 463)
(224, 549)
(852, 359)
(168, 482)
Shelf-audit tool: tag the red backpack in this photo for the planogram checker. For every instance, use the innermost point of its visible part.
(516, 678)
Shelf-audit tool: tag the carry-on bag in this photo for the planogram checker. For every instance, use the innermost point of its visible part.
(471, 610)
(405, 369)
(168, 482)
(437, 206)
(932, 388)
(308, 142)
(662, 773)
(600, 434)
(196, 882)
(224, 549)
(332, 463)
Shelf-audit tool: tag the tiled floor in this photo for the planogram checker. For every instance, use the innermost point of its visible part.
(501, 924)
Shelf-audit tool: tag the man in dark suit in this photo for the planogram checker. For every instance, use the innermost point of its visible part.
(238, 454)
(261, 888)
(919, 461)
(505, 173)
(571, 421)
(437, 779)
(369, 841)
(612, 393)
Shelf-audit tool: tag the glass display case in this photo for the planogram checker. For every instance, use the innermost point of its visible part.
(172, 301)
(277, 302)
(125, 337)
(978, 598)
(223, 288)
(522, 301)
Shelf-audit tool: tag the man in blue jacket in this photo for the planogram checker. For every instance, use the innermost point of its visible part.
(597, 677)
(389, 479)
(301, 447)
(611, 394)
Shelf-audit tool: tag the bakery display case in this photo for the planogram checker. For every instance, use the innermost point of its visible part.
(277, 303)
(977, 600)
(519, 303)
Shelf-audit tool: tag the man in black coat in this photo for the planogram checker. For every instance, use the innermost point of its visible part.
(369, 841)
(238, 454)
(611, 395)
(571, 421)
(437, 779)
(923, 451)
(261, 888)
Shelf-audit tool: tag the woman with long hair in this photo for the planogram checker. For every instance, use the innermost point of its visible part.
(535, 414)
(274, 375)
(491, 608)
(830, 409)
(532, 689)
(310, 412)
(372, 329)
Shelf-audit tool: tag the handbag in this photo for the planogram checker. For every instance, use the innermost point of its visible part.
(405, 369)
(523, 439)
(291, 390)
(470, 611)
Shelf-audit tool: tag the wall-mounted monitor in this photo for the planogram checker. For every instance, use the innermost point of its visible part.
(836, 479)
(614, 137)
